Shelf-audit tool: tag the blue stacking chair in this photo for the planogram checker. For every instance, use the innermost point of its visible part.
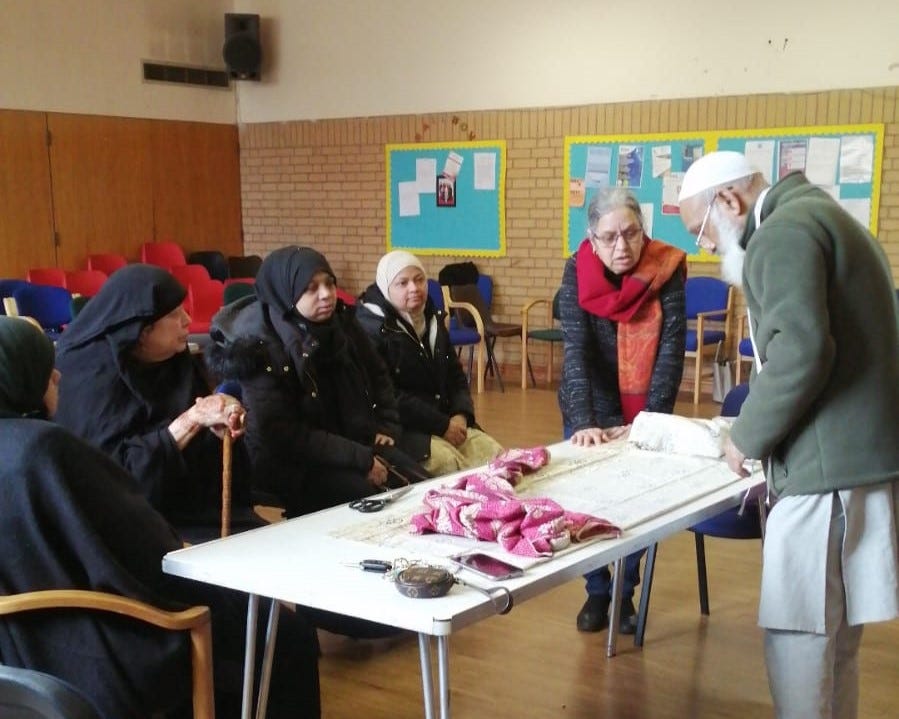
(709, 302)
(8, 288)
(459, 335)
(727, 525)
(50, 306)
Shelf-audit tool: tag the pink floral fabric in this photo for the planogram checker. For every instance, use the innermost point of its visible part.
(483, 505)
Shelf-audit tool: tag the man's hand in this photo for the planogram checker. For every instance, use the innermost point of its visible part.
(735, 458)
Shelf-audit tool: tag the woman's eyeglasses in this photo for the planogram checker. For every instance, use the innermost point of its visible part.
(628, 234)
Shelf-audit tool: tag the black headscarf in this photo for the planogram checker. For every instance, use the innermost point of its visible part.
(132, 298)
(285, 274)
(26, 361)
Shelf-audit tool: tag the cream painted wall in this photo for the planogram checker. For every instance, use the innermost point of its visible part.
(84, 56)
(352, 58)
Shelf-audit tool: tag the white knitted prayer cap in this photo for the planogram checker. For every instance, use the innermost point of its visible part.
(714, 170)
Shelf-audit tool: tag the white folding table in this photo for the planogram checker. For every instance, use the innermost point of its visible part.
(308, 561)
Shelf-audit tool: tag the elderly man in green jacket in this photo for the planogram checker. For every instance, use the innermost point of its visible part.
(822, 413)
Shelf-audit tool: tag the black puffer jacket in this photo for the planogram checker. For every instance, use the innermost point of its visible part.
(310, 442)
(427, 377)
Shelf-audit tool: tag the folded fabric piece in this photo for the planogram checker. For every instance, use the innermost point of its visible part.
(679, 435)
(483, 505)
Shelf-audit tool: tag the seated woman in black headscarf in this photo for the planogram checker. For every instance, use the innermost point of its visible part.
(322, 421)
(74, 519)
(433, 397)
(131, 387)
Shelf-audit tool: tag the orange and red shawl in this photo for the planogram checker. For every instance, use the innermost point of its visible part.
(635, 306)
(483, 505)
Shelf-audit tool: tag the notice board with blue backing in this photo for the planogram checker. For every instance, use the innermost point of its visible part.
(447, 198)
(650, 165)
(844, 160)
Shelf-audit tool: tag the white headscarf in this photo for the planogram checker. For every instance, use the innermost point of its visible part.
(389, 267)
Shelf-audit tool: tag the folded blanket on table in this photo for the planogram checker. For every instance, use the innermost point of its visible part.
(483, 505)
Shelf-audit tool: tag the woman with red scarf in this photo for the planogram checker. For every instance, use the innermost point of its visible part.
(623, 330)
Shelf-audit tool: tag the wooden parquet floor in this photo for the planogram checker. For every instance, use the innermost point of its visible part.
(533, 663)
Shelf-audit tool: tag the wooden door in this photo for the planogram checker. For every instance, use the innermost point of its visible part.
(102, 185)
(196, 186)
(26, 211)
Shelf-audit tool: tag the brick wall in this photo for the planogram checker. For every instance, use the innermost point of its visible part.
(322, 182)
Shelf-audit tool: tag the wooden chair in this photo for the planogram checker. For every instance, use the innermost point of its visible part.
(459, 336)
(196, 620)
(454, 307)
(481, 318)
(709, 307)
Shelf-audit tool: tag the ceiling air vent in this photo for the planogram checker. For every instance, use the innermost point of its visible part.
(185, 75)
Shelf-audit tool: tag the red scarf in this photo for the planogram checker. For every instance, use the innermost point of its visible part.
(635, 306)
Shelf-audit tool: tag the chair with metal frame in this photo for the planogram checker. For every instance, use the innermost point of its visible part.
(165, 254)
(459, 336)
(737, 523)
(709, 305)
(492, 330)
(550, 333)
(745, 352)
(50, 306)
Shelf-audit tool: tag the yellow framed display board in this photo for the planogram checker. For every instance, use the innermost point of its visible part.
(447, 198)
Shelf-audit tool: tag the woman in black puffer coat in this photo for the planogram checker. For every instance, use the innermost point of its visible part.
(433, 397)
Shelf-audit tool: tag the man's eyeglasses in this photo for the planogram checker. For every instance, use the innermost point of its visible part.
(628, 234)
(705, 220)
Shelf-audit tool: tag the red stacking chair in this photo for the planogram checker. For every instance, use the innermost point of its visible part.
(190, 274)
(106, 262)
(47, 276)
(204, 299)
(347, 298)
(162, 254)
(84, 282)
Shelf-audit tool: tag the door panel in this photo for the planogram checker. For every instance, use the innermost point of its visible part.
(102, 185)
(26, 212)
(196, 185)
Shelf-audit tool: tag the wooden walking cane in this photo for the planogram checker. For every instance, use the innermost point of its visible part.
(226, 482)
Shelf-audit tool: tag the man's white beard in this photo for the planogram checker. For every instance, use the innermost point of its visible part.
(728, 248)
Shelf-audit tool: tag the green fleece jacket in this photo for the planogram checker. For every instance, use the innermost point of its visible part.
(825, 406)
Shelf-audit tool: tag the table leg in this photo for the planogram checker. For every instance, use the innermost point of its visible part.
(249, 657)
(443, 676)
(615, 608)
(265, 677)
(427, 682)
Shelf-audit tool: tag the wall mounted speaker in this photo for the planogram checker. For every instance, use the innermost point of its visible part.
(242, 50)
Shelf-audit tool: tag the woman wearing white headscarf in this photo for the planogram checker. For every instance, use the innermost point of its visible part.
(433, 397)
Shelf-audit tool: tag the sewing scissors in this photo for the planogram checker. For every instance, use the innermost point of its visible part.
(378, 502)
